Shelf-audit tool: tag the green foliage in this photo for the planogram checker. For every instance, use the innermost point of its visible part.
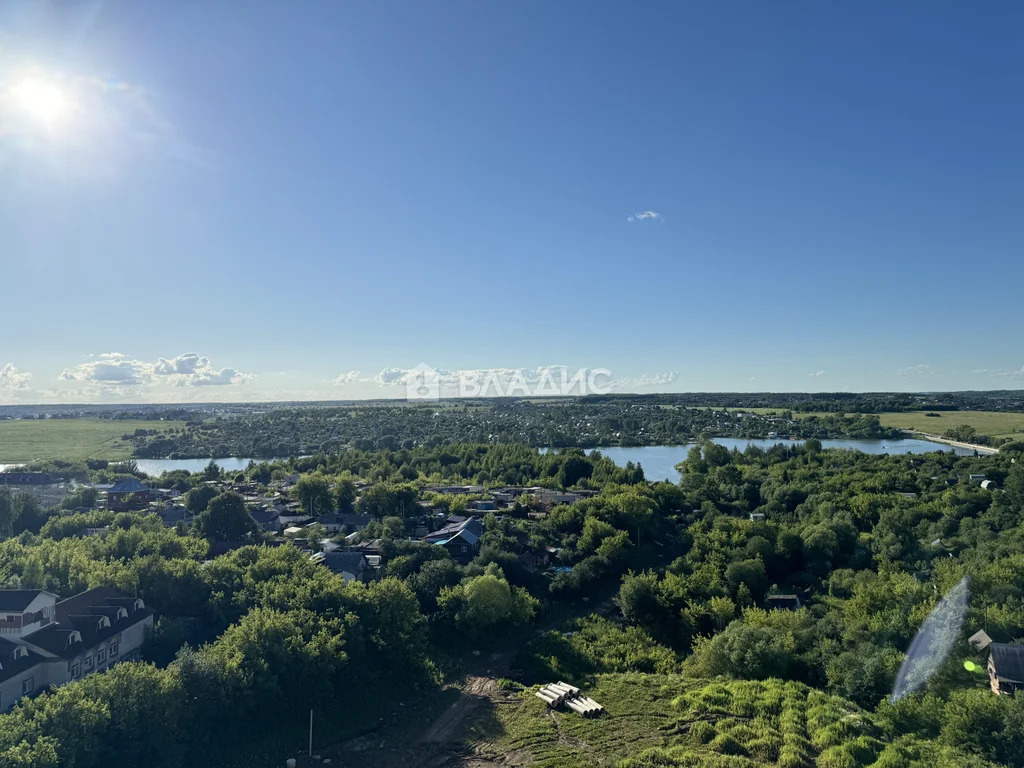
(199, 498)
(314, 493)
(226, 519)
(482, 604)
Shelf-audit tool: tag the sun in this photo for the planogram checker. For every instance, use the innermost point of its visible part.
(41, 99)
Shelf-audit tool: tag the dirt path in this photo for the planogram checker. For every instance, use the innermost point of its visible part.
(476, 692)
(984, 450)
(444, 743)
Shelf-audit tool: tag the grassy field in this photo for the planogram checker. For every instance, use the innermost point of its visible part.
(992, 423)
(669, 721)
(29, 440)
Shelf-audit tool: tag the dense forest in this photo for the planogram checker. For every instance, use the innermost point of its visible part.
(833, 402)
(563, 423)
(247, 641)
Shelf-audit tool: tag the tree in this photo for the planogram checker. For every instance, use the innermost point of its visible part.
(640, 600)
(314, 493)
(226, 519)
(722, 610)
(574, 469)
(481, 604)
(749, 653)
(198, 498)
(749, 572)
(212, 471)
(346, 494)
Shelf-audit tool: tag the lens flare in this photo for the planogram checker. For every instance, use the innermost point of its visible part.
(933, 642)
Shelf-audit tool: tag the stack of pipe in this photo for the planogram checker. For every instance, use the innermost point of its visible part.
(585, 706)
(554, 694)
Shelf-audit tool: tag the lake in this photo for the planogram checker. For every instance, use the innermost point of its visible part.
(156, 467)
(159, 466)
(659, 461)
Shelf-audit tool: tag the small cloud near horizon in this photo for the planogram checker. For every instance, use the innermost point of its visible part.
(817, 373)
(921, 369)
(645, 216)
(349, 377)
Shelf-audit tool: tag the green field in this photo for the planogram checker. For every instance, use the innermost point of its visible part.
(991, 423)
(668, 720)
(31, 440)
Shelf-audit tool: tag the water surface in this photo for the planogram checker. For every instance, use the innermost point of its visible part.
(659, 461)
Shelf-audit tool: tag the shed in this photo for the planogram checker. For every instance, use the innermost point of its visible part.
(980, 640)
(788, 602)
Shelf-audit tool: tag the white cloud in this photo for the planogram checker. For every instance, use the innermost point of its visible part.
(645, 216)
(182, 364)
(212, 378)
(999, 373)
(649, 380)
(116, 370)
(921, 369)
(110, 369)
(11, 379)
(817, 373)
(349, 377)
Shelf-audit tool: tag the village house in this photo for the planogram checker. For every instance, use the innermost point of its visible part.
(129, 493)
(26, 478)
(343, 521)
(460, 536)
(1006, 667)
(267, 519)
(457, 490)
(47, 641)
(172, 514)
(351, 566)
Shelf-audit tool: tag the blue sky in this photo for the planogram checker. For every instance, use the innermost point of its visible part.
(300, 200)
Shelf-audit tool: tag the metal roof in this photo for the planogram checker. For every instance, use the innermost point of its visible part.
(1008, 661)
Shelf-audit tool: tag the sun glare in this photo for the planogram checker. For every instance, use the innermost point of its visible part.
(41, 99)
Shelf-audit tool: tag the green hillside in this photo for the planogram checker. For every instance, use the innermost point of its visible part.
(658, 721)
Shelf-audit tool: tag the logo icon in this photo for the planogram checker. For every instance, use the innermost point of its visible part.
(423, 383)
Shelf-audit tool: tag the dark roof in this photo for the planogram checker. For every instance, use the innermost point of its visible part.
(82, 613)
(263, 516)
(174, 514)
(1008, 660)
(129, 485)
(452, 529)
(25, 478)
(12, 667)
(346, 518)
(353, 562)
(17, 599)
(54, 639)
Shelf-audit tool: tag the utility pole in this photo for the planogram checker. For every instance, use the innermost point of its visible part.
(311, 734)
